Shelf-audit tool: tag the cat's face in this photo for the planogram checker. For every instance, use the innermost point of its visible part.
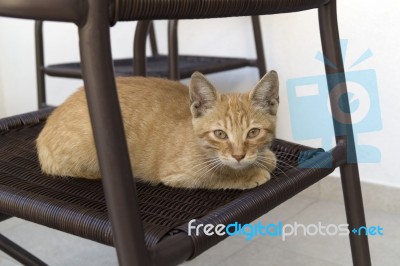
(234, 129)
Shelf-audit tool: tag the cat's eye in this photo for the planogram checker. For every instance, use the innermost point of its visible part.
(253, 133)
(220, 134)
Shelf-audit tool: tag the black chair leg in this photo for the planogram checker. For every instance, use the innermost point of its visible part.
(344, 132)
(260, 62)
(40, 75)
(112, 152)
(18, 253)
(139, 47)
(4, 217)
(153, 40)
(173, 57)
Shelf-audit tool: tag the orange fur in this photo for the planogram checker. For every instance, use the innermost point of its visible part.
(170, 133)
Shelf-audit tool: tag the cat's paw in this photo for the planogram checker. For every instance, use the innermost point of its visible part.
(178, 181)
(259, 178)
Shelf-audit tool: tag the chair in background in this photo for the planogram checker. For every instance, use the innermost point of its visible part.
(148, 225)
(171, 65)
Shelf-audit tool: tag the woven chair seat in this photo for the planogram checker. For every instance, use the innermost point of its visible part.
(78, 206)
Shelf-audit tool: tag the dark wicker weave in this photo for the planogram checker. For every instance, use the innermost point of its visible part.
(148, 223)
(78, 206)
(190, 9)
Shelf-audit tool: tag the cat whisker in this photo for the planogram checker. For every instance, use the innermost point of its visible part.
(214, 166)
(275, 162)
(264, 167)
(204, 164)
(272, 163)
(219, 166)
(279, 162)
(290, 167)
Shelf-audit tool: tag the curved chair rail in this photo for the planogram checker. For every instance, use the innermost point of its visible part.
(124, 10)
(189, 9)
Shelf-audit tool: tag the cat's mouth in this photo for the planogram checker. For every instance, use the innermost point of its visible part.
(237, 165)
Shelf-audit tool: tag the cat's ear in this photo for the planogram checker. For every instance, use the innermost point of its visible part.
(203, 95)
(265, 94)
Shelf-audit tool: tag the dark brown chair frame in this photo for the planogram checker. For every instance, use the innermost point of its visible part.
(145, 29)
(93, 17)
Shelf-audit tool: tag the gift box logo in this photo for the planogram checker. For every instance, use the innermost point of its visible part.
(310, 114)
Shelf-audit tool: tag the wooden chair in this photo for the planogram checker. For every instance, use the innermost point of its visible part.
(148, 225)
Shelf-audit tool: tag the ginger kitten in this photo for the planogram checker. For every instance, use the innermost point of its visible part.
(192, 138)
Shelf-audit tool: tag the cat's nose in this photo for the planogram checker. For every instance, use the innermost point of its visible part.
(238, 157)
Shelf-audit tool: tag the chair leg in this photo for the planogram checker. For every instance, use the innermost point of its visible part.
(261, 63)
(173, 58)
(139, 47)
(153, 40)
(344, 132)
(40, 75)
(4, 217)
(105, 114)
(18, 253)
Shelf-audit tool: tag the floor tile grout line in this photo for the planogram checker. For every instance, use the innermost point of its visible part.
(313, 202)
(258, 239)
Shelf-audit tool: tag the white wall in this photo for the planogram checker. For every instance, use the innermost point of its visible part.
(2, 107)
(291, 42)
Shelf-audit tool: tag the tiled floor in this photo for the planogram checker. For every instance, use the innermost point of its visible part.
(57, 248)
